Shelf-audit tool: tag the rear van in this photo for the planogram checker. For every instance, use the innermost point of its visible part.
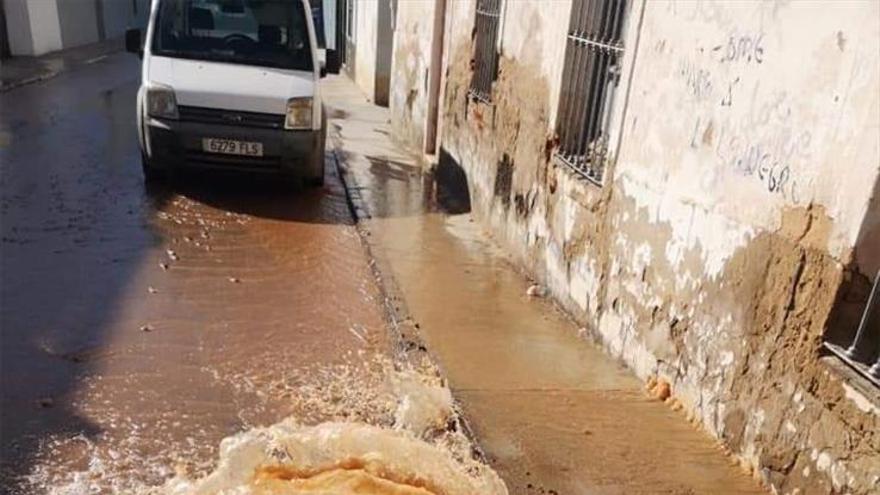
(231, 85)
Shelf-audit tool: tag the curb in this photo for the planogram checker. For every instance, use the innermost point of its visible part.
(405, 331)
(73, 59)
(28, 81)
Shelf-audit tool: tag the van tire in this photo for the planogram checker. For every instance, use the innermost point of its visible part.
(151, 174)
(316, 181)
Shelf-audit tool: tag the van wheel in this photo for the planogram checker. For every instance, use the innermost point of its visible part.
(318, 180)
(151, 173)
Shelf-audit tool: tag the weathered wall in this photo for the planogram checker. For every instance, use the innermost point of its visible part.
(366, 20)
(734, 220)
(409, 70)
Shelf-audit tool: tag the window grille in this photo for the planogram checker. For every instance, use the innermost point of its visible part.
(863, 354)
(349, 19)
(593, 56)
(485, 49)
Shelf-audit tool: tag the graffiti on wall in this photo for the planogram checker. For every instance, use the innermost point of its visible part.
(749, 127)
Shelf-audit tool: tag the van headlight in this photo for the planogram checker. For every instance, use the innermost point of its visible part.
(161, 102)
(299, 113)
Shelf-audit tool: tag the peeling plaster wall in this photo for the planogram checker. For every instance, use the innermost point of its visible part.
(737, 215)
(409, 70)
(366, 20)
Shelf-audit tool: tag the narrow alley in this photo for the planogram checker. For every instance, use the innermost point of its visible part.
(185, 313)
(439, 247)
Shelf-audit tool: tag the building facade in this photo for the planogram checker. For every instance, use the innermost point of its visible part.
(365, 39)
(35, 27)
(695, 182)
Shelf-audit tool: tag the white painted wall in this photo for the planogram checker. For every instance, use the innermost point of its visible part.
(18, 27)
(742, 110)
(365, 52)
(534, 34)
(45, 29)
(36, 27)
(411, 62)
(33, 26)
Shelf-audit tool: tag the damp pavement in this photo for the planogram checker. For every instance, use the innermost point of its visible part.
(142, 325)
(552, 413)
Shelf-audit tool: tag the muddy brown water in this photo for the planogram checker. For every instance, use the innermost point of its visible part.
(552, 412)
(140, 326)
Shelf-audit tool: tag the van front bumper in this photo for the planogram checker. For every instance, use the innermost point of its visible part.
(174, 144)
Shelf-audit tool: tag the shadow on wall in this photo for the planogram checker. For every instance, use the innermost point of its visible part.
(852, 297)
(453, 194)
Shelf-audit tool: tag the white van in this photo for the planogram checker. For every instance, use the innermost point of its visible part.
(230, 84)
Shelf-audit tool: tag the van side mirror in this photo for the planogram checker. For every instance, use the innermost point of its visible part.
(133, 42)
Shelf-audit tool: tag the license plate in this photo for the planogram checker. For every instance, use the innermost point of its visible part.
(232, 147)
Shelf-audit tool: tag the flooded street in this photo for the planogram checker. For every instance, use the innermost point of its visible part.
(228, 334)
(141, 326)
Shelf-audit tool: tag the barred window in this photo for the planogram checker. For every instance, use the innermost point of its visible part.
(861, 350)
(350, 25)
(593, 57)
(485, 62)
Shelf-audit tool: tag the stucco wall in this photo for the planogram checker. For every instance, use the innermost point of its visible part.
(366, 20)
(409, 70)
(724, 235)
(42, 26)
(33, 26)
(79, 22)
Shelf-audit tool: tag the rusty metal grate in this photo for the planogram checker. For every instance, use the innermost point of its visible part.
(485, 62)
(863, 354)
(593, 56)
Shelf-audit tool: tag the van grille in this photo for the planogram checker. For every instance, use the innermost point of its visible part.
(231, 117)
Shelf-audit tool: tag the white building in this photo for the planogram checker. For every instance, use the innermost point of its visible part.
(695, 181)
(35, 27)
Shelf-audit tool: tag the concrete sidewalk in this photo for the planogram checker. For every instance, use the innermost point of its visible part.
(552, 412)
(20, 71)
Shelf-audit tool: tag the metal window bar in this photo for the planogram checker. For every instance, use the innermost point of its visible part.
(591, 72)
(485, 49)
(863, 354)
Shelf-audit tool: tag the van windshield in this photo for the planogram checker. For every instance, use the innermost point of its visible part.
(268, 33)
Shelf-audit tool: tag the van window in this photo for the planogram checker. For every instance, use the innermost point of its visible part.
(268, 33)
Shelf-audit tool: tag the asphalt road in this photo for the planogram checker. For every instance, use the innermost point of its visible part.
(141, 325)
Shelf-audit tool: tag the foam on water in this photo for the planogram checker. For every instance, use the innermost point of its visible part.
(418, 455)
(338, 458)
(366, 427)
